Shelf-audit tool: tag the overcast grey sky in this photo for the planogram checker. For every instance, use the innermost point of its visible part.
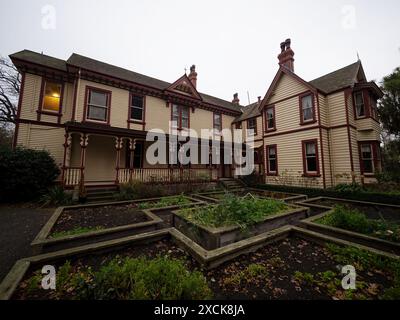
(234, 44)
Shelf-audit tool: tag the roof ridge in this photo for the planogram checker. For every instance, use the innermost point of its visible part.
(340, 69)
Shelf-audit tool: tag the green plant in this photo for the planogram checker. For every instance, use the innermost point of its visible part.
(165, 202)
(137, 190)
(75, 231)
(25, 174)
(56, 196)
(232, 210)
(353, 220)
(349, 188)
(250, 273)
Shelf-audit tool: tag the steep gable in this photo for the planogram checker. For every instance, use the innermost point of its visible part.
(184, 86)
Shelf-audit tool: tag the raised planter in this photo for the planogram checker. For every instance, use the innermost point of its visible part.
(209, 259)
(214, 197)
(212, 238)
(44, 243)
(366, 240)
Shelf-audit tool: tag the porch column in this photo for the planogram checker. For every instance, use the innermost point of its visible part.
(83, 143)
(132, 147)
(67, 155)
(118, 148)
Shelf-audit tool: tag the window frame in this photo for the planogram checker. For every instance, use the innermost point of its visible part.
(40, 111)
(314, 118)
(376, 157)
(364, 104)
(214, 122)
(307, 173)
(89, 89)
(130, 106)
(255, 128)
(269, 172)
(267, 129)
(180, 113)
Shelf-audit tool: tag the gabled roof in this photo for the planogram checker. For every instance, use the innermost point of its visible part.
(184, 86)
(90, 64)
(340, 79)
(250, 111)
(40, 59)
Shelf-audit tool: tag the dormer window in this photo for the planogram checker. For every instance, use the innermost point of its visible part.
(359, 104)
(307, 108)
(52, 97)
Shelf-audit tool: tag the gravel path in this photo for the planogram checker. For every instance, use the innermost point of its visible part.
(19, 225)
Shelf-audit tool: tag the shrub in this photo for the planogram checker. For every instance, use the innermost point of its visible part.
(353, 220)
(25, 174)
(56, 196)
(349, 188)
(137, 190)
(141, 279)
(233, 210)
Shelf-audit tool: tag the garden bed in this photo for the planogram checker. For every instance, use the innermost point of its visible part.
(82, 224)
(235, 219)
(219, 195)
(291, 264)
(365, 227)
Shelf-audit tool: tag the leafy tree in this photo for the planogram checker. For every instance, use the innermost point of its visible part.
(389, 108)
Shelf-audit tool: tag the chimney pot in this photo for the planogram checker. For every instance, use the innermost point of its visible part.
(286, 57)
(236, 99)
(259, 99)
(193, 76)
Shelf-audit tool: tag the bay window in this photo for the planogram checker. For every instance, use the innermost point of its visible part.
(359, 104)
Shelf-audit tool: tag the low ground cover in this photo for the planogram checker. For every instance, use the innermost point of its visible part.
(165, 202)
(353, 220)
(234, 211)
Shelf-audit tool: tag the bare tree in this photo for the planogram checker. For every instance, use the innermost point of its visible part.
(10, 83)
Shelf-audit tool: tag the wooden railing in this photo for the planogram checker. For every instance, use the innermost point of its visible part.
(167, 175)
(72, 176)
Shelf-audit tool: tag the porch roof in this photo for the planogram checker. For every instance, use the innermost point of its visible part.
(102, 129)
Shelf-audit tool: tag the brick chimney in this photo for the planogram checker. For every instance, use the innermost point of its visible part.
(286, 56)
(236, 99)
(193, 75)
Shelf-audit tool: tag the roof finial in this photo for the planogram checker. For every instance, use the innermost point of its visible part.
(358, 56)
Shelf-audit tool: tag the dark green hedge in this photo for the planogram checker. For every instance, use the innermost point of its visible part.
(360, 196)
(25, 174)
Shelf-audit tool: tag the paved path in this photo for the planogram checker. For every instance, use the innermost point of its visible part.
(19, 225)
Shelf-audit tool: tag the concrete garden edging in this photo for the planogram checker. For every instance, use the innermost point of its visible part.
(42, 242)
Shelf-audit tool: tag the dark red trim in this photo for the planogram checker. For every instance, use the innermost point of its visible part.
(41, 123)
(21, 93)
(375, 145)
(314, 119)
(75, 97)
(40, 109)
(255, 129)
(85, 109)
(305, 173)
(179, 124)
(367, 105)
(134, 121)
(347, 93)
(185, 78)
(322, 144)
(267, 129)
(272, 173)
(214, 114)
